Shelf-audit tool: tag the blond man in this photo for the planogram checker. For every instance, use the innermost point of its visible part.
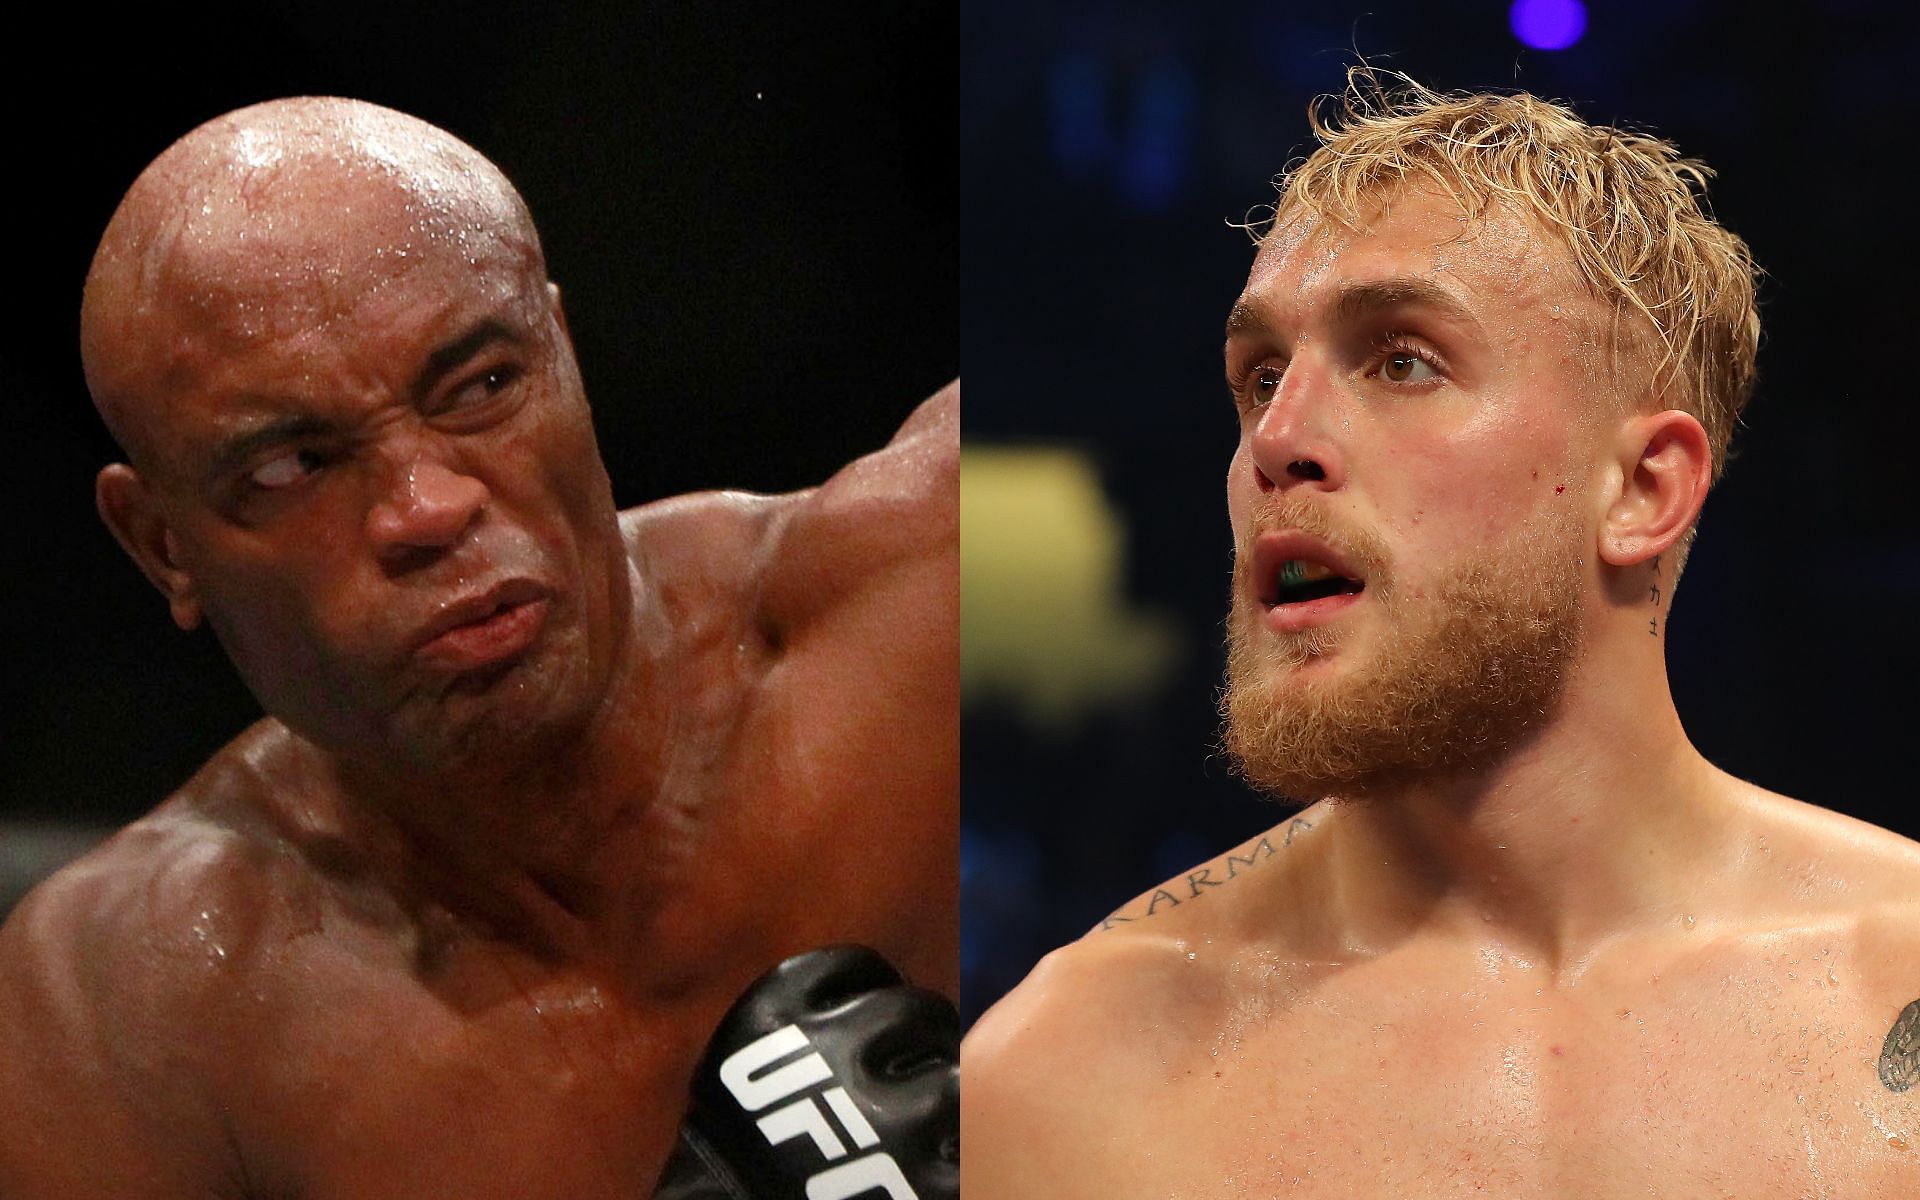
(1524, 940)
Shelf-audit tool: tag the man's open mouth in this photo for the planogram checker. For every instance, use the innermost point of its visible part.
(1299, 580)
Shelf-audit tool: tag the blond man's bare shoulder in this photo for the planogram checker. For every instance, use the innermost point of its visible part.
(1101, 1019)
(1825, 863)
(1144, 954)
(1810, 868)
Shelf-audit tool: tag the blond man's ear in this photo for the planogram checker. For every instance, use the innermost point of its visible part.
(1665, 467)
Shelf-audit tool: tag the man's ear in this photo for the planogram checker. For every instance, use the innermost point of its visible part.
(559, 309)
(1666, 466)
(131, 512)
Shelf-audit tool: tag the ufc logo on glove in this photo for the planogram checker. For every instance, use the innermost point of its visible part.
(755, 1083)
(753, 1079)
(830, 1078)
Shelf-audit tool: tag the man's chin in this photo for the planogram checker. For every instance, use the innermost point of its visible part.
(1304, 731)
(490, 720)
(1308, 717)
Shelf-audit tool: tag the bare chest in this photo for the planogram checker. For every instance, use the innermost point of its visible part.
(1731, 1084)
(512, 1086)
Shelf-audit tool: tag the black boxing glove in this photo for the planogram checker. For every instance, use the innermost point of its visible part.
(829, 1079)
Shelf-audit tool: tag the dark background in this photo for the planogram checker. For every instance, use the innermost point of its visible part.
(1103, 148)
(751, 208)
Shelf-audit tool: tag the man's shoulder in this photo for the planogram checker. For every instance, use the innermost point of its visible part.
(1837, 864)
(900, 500)
(119, 978)
(921, 460)
(1045, 1066)
(172, 892)
(788, 556)
(1163, 959)
(702, 557)
(1088, 1039)
(733, 519)
(185, 895)
(1815, 872)
(1077, 996)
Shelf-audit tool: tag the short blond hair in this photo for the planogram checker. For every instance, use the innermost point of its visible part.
(1627, 206)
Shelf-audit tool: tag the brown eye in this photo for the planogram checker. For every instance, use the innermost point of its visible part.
(1401, 367)
(1265, 382)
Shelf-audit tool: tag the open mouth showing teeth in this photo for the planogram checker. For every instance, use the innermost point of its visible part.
(1298, 581)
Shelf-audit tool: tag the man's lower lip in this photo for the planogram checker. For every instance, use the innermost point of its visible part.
(489, 640)
(1286, 618)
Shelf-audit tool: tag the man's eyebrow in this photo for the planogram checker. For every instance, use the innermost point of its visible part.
(1363, 299)
(260, 434)
(451, 354)
(230, 454)
(1241, 319)
(1367, 297)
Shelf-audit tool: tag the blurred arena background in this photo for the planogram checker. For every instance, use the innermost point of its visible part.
(1105, 147)
(751, 208)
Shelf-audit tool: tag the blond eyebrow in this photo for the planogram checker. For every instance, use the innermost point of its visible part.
(1365, 297)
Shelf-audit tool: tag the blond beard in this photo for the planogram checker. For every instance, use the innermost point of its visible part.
(1452, 684)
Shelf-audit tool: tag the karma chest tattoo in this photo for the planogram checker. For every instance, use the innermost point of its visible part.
(1900, 1053)
(1212, 875)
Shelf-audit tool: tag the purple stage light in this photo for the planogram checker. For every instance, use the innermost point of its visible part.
(1548, 24)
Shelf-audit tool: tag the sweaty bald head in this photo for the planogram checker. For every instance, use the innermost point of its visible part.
(274, 219)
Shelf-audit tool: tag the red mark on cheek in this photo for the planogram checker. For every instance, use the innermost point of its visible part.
(1536, 474)
(1558, 1052)
(1560, 488)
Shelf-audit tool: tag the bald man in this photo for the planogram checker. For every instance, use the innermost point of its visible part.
(1524, 941)
(542, 785)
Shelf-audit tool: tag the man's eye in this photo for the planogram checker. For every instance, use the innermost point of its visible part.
(1399, 366)
(284, 470)
(1262, 384)
(482, 388)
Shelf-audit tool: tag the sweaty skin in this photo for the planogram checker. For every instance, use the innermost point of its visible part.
(1586, 963)
(459, 916)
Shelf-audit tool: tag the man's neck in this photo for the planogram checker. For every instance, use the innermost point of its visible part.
(1598, 825)
(541, 851)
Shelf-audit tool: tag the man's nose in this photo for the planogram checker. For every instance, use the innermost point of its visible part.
(428, 505)
(1296, 437)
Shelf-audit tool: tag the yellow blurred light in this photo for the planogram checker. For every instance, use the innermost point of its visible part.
(1043, 621)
